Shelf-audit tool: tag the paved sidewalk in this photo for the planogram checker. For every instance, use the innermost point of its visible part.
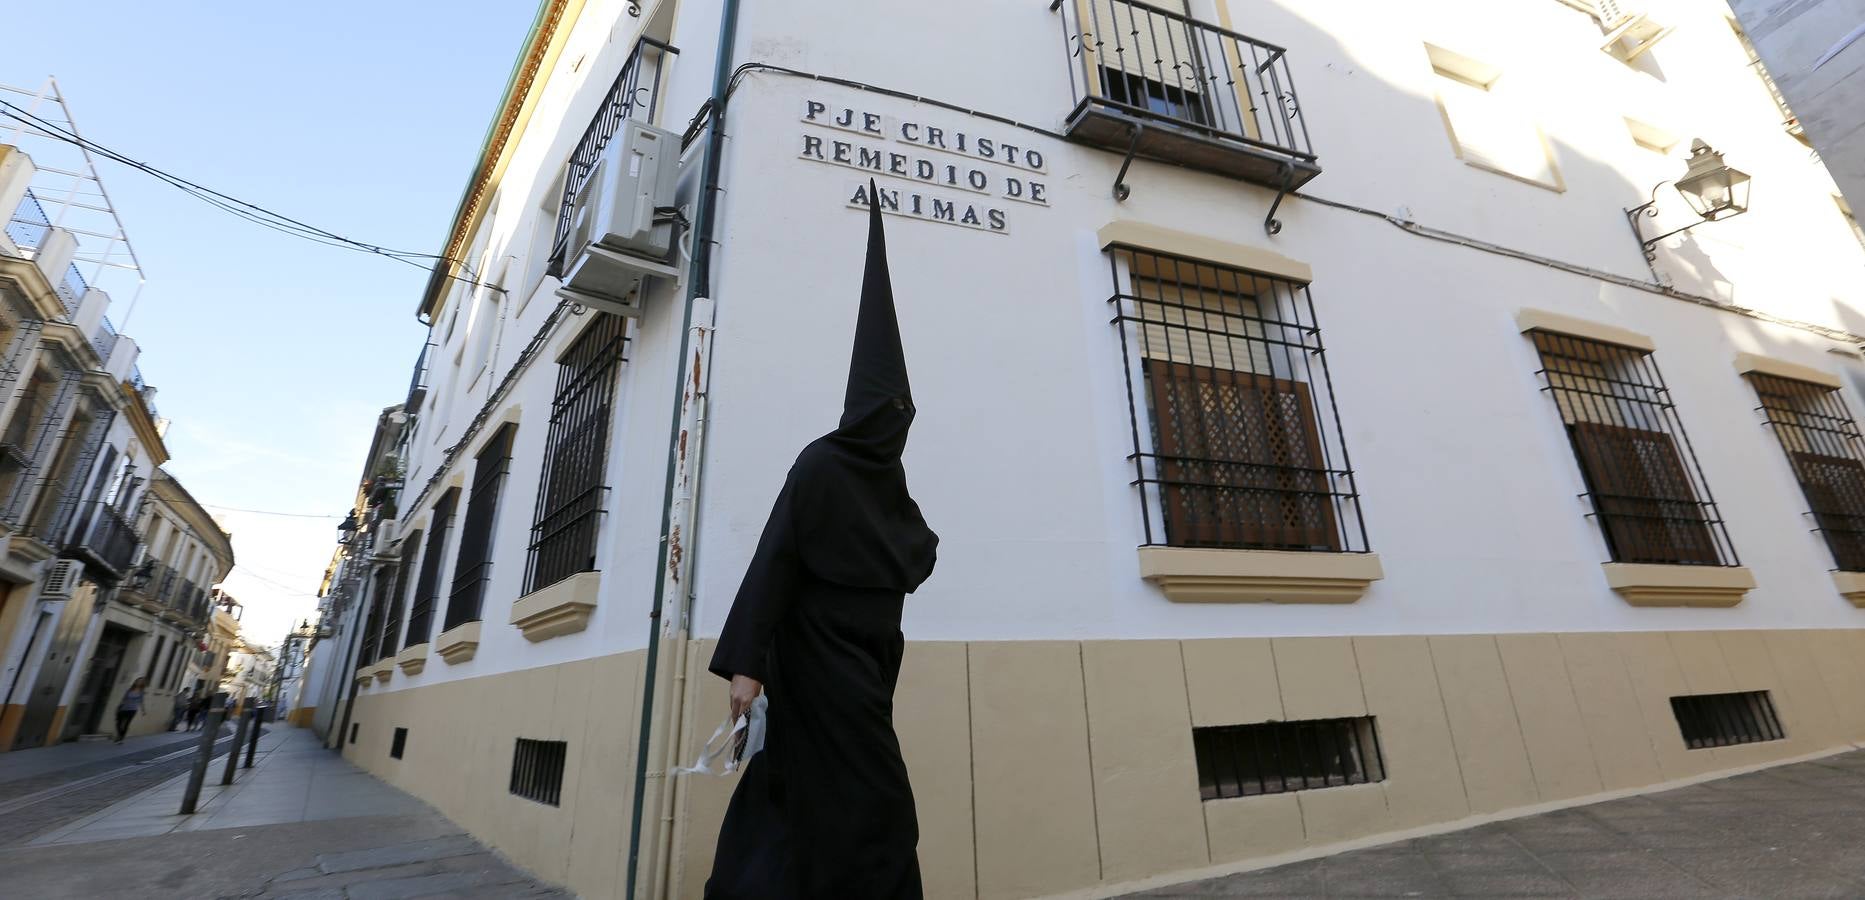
(302, 824)
(1787, 832)
(39, 761)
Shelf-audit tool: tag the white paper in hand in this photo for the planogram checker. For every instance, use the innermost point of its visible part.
(735, 740)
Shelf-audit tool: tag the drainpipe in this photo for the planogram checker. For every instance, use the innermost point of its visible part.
(682, 475)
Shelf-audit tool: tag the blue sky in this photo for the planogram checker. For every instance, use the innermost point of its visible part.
(272, 355)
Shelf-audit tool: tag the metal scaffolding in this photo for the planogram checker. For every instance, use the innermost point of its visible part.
(67, 193)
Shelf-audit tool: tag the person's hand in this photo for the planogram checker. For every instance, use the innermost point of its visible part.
(744, 690)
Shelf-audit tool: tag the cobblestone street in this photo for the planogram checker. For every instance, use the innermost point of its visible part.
(302, 823)
(1788, 832)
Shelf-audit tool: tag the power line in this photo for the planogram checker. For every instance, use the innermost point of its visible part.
(251, 212)
(268, 512)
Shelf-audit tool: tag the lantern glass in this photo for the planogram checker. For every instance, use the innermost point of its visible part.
(1713, 189)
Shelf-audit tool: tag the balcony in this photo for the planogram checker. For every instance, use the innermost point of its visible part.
(633, 96)
(106, 541)
(105, 340)
(1160, 85)
(28, 229)
(417, 387)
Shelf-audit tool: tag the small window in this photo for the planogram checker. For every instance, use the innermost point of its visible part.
(399, 743)
(1719, 720)
(1280, 757)
(1489, 128)
(473, 568)
(1236, 438)
(1648, 493)
(354, 727)
(537, 770)
(1827, 453)
(1150, 58)
(427, 586)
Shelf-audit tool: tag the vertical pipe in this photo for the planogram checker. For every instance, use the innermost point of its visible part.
(699, 284)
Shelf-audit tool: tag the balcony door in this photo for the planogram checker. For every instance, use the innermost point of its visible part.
(1147, 57)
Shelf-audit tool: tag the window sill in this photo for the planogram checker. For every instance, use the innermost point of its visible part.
(458, 644)
(365, 675)
(1643, 584)
(384, 669)
(563, 608)
(1190, 575)
(412, 659)
(1851, 586)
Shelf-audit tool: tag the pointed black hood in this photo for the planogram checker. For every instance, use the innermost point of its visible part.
(878, 407)
(856, 523)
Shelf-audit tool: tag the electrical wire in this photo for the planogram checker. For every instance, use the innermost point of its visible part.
(250, 212)
(268, 512)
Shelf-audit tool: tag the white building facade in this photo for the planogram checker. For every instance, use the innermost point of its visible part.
(1269, 520)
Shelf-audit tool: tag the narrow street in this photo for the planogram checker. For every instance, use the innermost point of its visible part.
(81, 822)
(43, 789)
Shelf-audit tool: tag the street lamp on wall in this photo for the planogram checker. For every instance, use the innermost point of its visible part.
(1714, 191)
(347, 531)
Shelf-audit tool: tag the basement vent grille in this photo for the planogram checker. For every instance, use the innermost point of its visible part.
(537, 770)
(1719, 720)
(1279, 757)
(354, 726)
(399, 744)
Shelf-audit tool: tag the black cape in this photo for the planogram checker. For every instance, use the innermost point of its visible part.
(826, 809)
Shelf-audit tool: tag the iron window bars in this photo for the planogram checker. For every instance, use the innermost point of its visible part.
(1279, 757)
(1162, 65)
(427, 587)
(372, 623)
(570, 489)
(1647, 489)
(1236, 437)
(537, 770)
(633, 96)
(473, 568)
(404, 570)
(1719, 720)
(399, 743)
(1822, 443)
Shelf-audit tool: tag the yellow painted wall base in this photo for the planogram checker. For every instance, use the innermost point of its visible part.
(1049, 767)
(10, 716)
(301, 717)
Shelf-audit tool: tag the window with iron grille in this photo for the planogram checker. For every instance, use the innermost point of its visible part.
(1236, 438)
(1719, 720)
(1822, 443)
(1647, 490)
(399, 743)
(372, 622)
(394, 602)
(404, 571)
(537, 770)
(576, 452)
(1279, 757)
(427, 587)
(474, 565)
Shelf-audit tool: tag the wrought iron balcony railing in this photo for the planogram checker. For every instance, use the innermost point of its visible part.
(633, 96)
(417, 387)
(1159, 84)
(105, 340)
(106, 540)
(28, 225)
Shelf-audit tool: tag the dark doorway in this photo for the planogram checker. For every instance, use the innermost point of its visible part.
(93, 699)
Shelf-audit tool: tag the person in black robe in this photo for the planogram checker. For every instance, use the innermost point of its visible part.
(825, 810)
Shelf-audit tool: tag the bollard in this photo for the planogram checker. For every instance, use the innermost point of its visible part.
(252, 743)
(209, 731)
(233, 752)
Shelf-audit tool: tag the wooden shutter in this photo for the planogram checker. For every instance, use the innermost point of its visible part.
(1835, 488)
(1239, 460)
(1643, 495)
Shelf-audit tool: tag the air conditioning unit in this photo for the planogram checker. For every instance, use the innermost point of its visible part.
(61, 579)
(616, 240)
(1629, 28)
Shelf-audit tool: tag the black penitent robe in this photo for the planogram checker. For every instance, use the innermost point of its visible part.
(826, 810)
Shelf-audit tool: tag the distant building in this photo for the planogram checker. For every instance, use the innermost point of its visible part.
(1810, 56)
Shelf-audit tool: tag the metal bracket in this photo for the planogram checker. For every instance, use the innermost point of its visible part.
(1121, 191)
(1271, 224)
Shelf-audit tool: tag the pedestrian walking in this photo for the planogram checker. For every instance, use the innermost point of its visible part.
(826, 809)
(195, 709)
(182, 701)
(129, 709)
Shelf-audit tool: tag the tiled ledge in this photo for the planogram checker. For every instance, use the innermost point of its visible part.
(563, 608)
(1644, 584)
(1259, 576)
(1851, 586)
(412, 659)
(458, 644)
